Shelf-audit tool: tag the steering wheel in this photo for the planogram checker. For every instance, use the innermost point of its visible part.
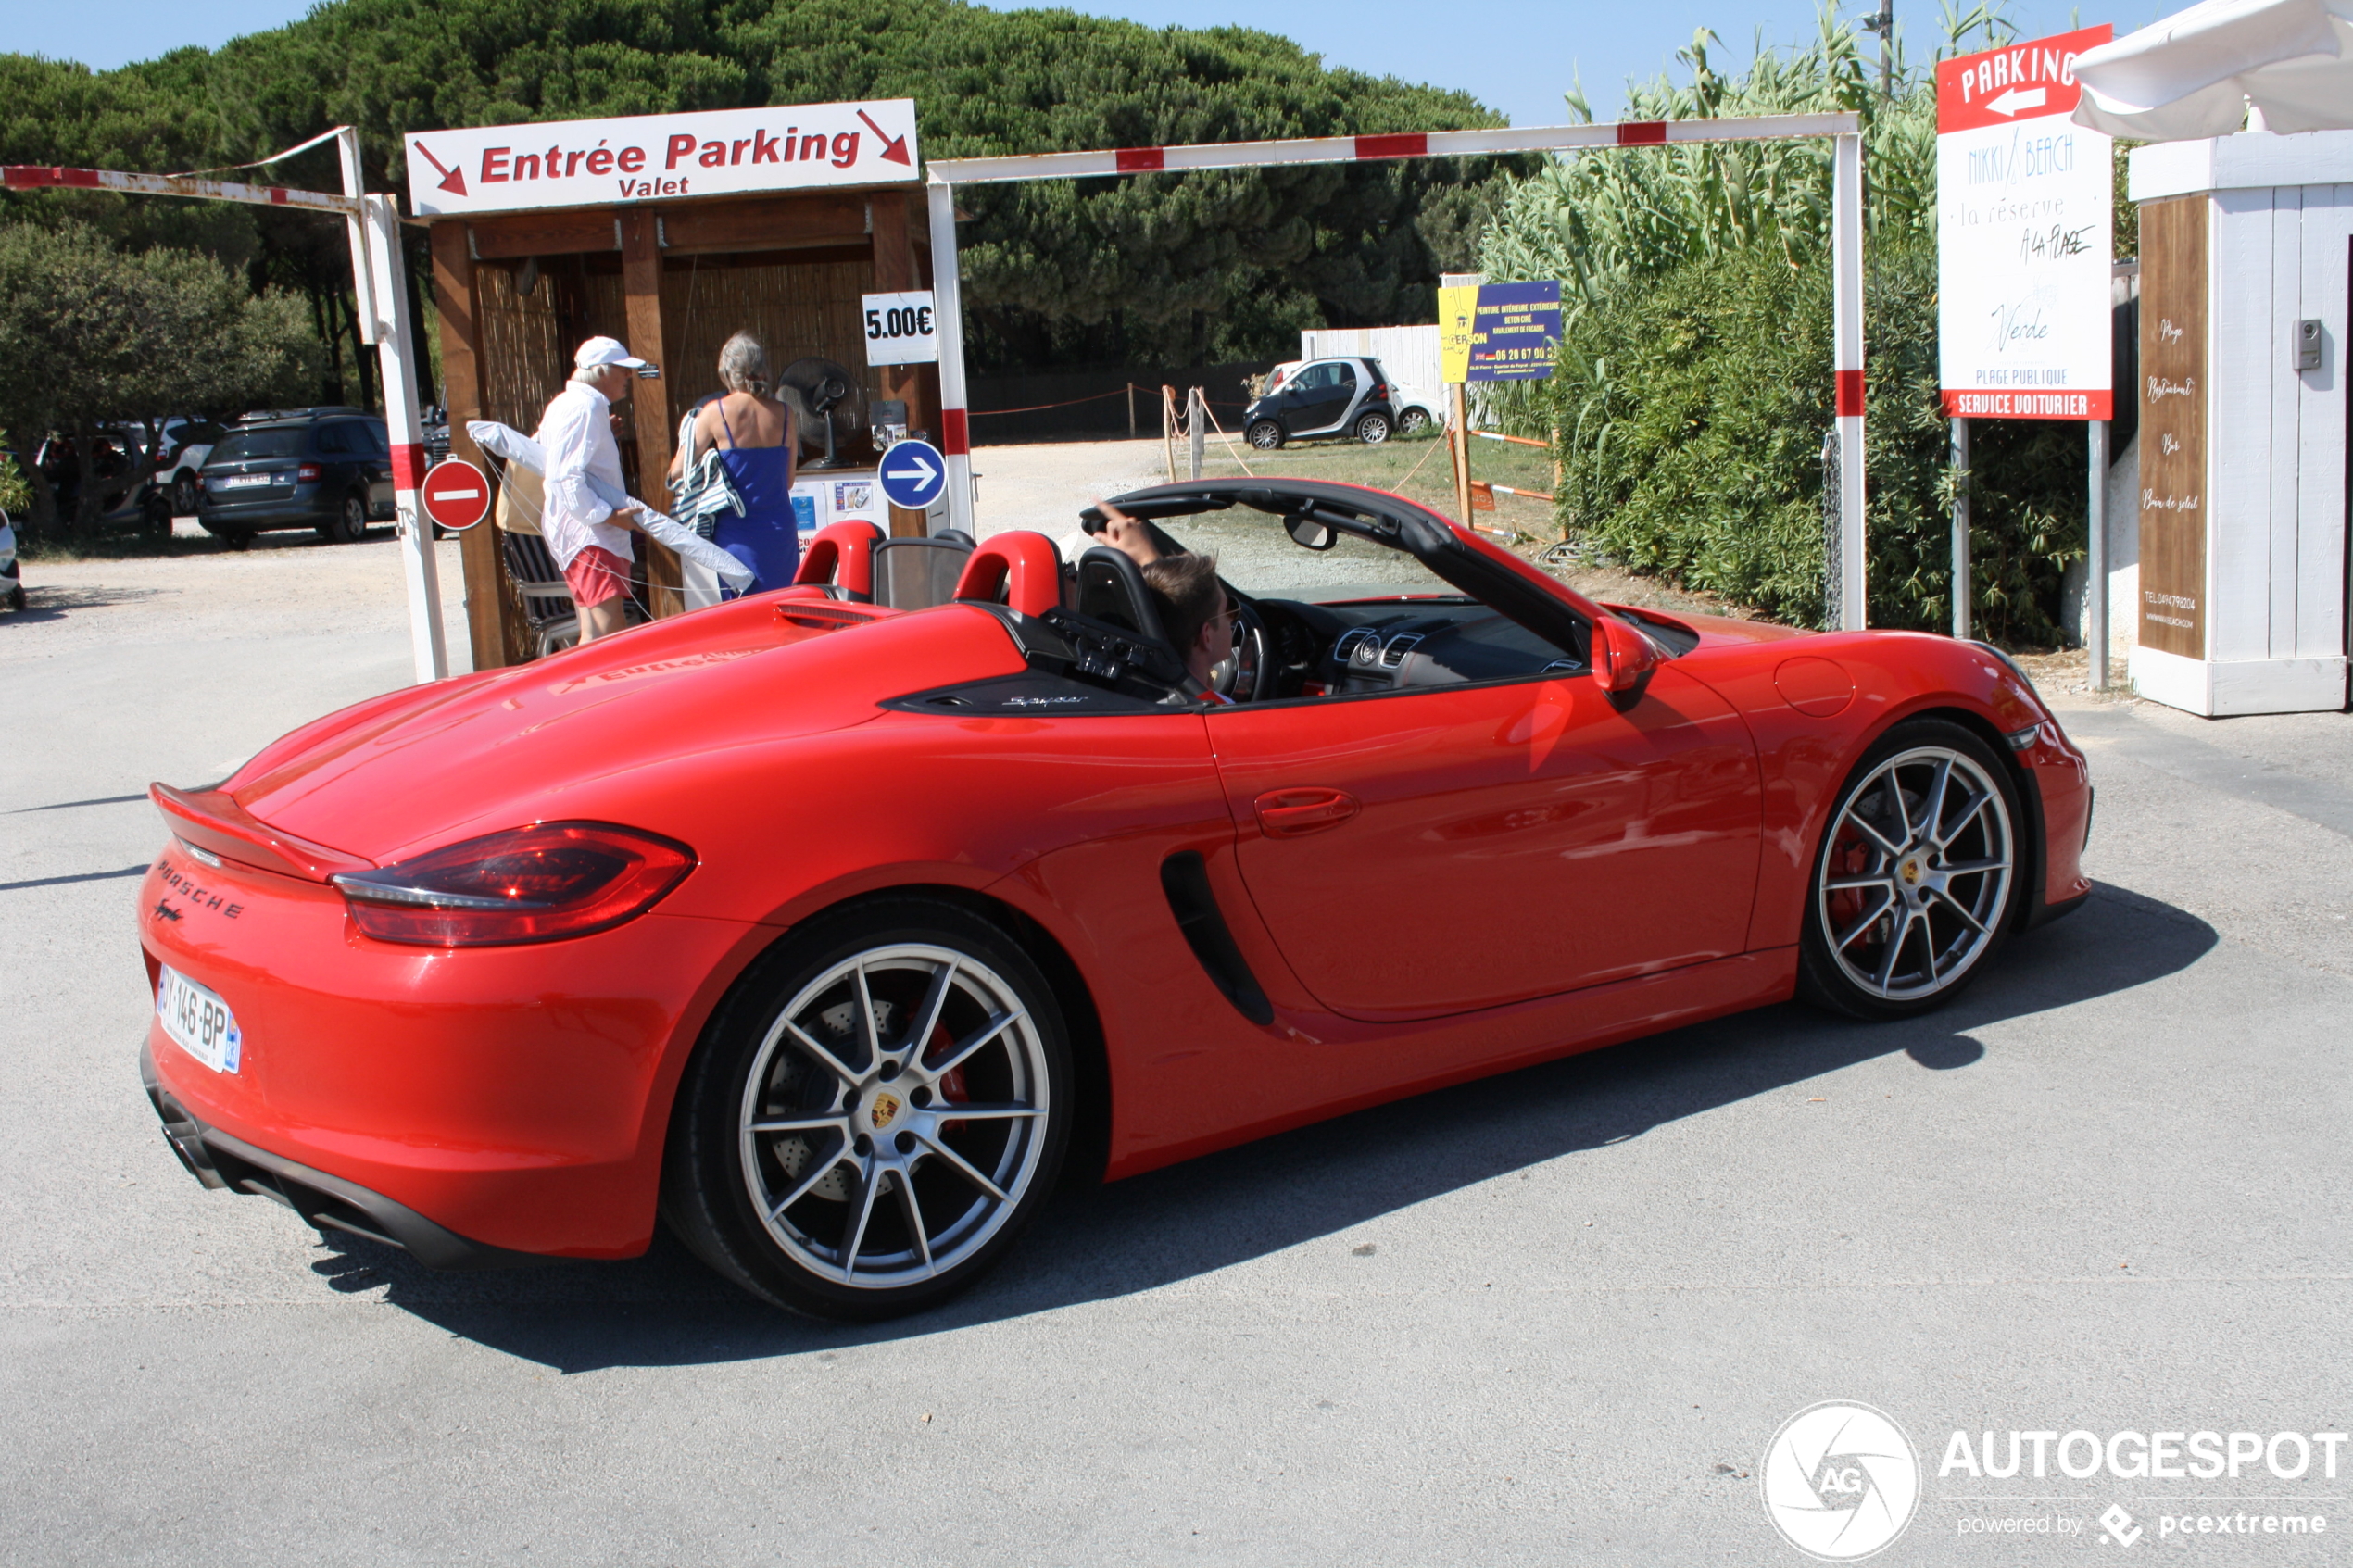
(1237, 676)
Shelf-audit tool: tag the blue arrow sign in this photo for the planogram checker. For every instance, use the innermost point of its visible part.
(913, 474)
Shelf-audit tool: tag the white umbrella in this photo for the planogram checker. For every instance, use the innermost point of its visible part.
(2195, 73)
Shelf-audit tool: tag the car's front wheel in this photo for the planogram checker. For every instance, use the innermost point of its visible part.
(185, 497)
(1916, 879)
(1412, 422)
(1372, 429)
(877, 1111)
(1266, 435)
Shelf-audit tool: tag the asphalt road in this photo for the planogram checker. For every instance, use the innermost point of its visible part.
(1550, 1318)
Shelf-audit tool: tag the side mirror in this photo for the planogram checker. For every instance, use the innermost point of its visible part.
(1622, 655)
(1307, 531)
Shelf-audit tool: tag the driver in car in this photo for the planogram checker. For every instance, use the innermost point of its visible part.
(1191, 601)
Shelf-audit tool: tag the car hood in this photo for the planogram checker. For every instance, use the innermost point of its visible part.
(630, 721)
(1717, 630)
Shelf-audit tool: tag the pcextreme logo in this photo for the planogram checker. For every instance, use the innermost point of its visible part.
(1840, 1481)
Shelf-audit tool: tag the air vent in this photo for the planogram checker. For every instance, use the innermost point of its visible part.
(1354, 646)
(1399, 646)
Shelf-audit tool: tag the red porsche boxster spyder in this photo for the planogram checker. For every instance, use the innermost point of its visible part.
(828, 925)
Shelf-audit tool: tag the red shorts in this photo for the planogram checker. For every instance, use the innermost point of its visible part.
(596, 575)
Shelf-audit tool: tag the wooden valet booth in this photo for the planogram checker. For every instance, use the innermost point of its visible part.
(670, 232)
(2243, 486)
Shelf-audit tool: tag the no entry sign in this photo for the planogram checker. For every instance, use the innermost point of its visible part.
(456, 494)
(2023, 238)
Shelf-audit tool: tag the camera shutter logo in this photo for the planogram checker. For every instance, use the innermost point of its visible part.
(1840, 1481)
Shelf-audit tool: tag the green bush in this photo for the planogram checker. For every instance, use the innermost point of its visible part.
(1693, 389)
(1693, 414)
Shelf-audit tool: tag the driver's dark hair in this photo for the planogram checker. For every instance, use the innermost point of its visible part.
(1186, 592)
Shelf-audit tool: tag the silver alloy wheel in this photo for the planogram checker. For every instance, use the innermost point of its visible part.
(1913, 880)
(907, 1072)
(1266, 435)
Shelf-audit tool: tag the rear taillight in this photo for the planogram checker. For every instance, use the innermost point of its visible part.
(307, 474)
(539, 883)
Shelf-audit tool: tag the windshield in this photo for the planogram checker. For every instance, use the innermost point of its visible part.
(279, 443)
(1257, 556)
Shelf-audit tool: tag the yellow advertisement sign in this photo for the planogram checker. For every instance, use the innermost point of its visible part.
(1456, 310)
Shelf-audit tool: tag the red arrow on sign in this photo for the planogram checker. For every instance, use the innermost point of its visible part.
(452, 180)
(456, 495)
(894, 148)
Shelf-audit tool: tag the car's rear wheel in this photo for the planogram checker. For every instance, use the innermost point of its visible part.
(1412, 422)
(350, 523)
(1265, 435)
(1372, 429)
(877, 1110)
(185, 497)
(1917, 878)
(155, 515)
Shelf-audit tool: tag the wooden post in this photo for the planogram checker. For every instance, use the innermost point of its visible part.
(1131, 410)
(1168, 427)
(641, 288)
(895, 274)
(1197, 424)
(493, 624)
(1458, 447)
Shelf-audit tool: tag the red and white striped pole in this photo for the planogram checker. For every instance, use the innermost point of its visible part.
(955, 413)
(1847, 307)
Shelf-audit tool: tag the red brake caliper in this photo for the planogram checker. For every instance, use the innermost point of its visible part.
(951, 1082)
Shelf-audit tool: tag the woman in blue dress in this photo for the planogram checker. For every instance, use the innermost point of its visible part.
(755, 437)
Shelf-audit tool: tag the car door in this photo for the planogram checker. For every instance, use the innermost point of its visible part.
(1320, 397)
(1439, 850)
(380, 499)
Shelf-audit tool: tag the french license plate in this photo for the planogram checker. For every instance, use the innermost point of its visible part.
(240, 480)
(199, 1021)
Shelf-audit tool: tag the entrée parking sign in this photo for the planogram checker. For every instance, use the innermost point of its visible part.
(2024, 245)
(719, 152)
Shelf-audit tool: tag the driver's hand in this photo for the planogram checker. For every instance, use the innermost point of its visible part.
(1125, 534)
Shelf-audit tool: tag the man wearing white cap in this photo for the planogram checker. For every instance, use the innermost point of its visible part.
(588, 539)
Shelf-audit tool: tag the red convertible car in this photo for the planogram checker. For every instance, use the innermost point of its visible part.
(828, 925)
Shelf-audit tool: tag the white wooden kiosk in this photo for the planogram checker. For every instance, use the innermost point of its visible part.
(2243, 584)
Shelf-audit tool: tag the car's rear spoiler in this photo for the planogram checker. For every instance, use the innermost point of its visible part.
(216, 823)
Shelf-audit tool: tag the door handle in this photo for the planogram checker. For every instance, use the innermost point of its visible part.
(1292, 813)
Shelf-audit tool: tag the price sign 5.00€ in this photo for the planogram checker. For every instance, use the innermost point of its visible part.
(900, 329)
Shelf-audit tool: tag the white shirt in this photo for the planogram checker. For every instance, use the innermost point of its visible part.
(576, 435)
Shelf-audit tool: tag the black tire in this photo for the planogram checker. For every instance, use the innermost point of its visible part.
(155, 515)
(1412, 422)
(350, 523)
(185, 496)
(16, 596)
(1876, 880)
(1266, 435)
(1372, 429)
(801, 1243)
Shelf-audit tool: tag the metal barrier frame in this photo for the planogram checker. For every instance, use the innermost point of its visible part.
(1846, 254)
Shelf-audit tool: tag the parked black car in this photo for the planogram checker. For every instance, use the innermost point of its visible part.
(1340, 396)
(327, 468)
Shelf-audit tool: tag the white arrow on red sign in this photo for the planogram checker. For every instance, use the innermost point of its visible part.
(456, 494)
(2017, 98)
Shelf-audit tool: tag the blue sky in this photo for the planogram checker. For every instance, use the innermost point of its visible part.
(1515, 56)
